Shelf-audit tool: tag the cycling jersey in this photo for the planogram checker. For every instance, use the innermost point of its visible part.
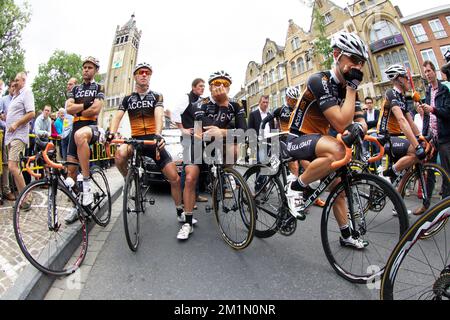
(283, 116)
(212, 115)
(388, 122)
(141, 111)
(86, 93)
(323, 91)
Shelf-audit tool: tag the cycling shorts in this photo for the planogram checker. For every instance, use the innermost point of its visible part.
(303, 147)
(72, 150)
(150, 151)
(399, 147)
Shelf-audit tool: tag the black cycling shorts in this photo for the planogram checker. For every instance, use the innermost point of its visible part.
(303, 147)
(150, 151)
(399, 147)
(72, 149)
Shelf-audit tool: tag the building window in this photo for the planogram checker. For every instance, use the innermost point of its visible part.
(301, 65)
(283, 96)
(295, 43)
(362, 5)
(117, 40)
(429, 55)
(328, 18)
(383, 29)
(438, 29)
(272, 76)
(274, 105)
(266, 80)
(294, 68)
(419, 33)
(405, 58)
(444, 49)
(448, 20)
(281, 72)
(269, 55)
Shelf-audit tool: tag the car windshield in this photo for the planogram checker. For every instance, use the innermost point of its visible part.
(172, 136)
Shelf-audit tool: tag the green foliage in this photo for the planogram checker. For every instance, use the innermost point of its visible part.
(50, 85)
(322, 44)
(13, 21)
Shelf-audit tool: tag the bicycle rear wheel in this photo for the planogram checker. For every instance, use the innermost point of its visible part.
(269, 196)
(419, 269)
(234, 209)
(132, 209)
(372, 203)
(49, 243)
(102, 197)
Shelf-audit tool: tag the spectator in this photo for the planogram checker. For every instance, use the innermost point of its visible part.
(437, 102)
(43, 125)
(59, 123)
(256, 118)
(20, 112)
(54, 134)
(68, 123)
(4, 104)
(372, 115)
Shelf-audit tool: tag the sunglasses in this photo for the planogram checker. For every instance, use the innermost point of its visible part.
(218, 83)
(144, 72)
(355, 59)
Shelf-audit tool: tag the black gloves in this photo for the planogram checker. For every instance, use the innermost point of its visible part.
(354, 78)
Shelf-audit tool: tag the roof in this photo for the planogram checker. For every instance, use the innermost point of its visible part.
(425, 14)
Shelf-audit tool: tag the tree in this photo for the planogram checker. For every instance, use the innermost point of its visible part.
(50, 85)
(322, 44)
(13, 21)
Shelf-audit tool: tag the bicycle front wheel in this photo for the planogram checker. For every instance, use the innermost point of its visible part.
(102, 197)
(380, 219)
(419, 269)
(132, 209)
(234, 209)
(44, 239)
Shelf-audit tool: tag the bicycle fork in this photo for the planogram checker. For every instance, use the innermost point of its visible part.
(52, 211)
(352, 194)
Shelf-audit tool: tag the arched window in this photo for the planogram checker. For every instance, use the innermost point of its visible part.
(294, 68)
(301, 65)
(269, 55)
(382, 29)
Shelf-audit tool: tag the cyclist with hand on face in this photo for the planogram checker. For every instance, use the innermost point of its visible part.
(330, 101)
(146, 112)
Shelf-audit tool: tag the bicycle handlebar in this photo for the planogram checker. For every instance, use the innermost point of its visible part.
(139, 142)
(380, 146)
(30, 172)
(348, 155)
(427, 144)
(47, 160)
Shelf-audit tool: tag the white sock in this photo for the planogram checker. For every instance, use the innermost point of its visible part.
(86, 185)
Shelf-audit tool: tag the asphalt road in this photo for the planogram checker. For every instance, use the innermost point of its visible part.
(205, 268)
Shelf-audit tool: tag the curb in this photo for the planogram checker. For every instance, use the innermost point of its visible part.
(33, 284)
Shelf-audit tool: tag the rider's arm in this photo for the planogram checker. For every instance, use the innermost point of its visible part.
(93, 110)
(73, 108)
(159, 120)
(341, 117)
(404, 126)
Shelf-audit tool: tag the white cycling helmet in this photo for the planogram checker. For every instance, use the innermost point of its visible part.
(447, 56)
(395, 70)
(219, 75)
(350, 43)
(293, 93)
(92, 60)
(142, 66)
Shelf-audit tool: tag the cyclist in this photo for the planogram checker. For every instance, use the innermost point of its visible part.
(146, 113)
(330, 101)
(397, 121)
(283, 117)
(85, 102)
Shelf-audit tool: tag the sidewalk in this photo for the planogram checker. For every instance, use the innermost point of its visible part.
(14, 268)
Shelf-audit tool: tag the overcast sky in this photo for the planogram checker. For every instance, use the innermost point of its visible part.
(181, 39)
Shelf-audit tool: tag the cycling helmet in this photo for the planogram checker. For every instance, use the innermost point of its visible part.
(219, 75)
(395, 70)
(350, 43)
(447, 56)
(141, 66)
(92, 60)
(293, 93)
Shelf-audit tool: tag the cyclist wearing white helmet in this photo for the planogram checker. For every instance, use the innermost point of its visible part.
(146, 113)
(396, 120)
(85, 102)
(329, 101)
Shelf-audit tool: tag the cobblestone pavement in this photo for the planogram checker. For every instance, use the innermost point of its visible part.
(12, 261)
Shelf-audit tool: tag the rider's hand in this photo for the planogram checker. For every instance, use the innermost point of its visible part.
(161, 144)
(354, 78)
(109, 136)
(420, 153)
(220, 95)
(87, 104)
(213, 132)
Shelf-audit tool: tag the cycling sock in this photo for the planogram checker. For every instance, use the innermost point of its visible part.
(345, 232)
(298, 185)
(189, 218)
(180, 211)
(86, 184)
(395, 171)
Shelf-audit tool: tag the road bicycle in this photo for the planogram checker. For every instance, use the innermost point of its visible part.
(420, 185)
(369, 199)
(136, 193)
(46, 241)
(419, 266)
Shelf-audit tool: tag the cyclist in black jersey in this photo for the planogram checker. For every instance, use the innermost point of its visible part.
(328, 101)
(146, 112)
(184, 117)
(85, 103)
(396, 120)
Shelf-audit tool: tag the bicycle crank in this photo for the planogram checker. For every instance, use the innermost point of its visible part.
(288, 226)
(441, 287)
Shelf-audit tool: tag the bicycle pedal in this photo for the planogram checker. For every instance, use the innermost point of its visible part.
(152, 202)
